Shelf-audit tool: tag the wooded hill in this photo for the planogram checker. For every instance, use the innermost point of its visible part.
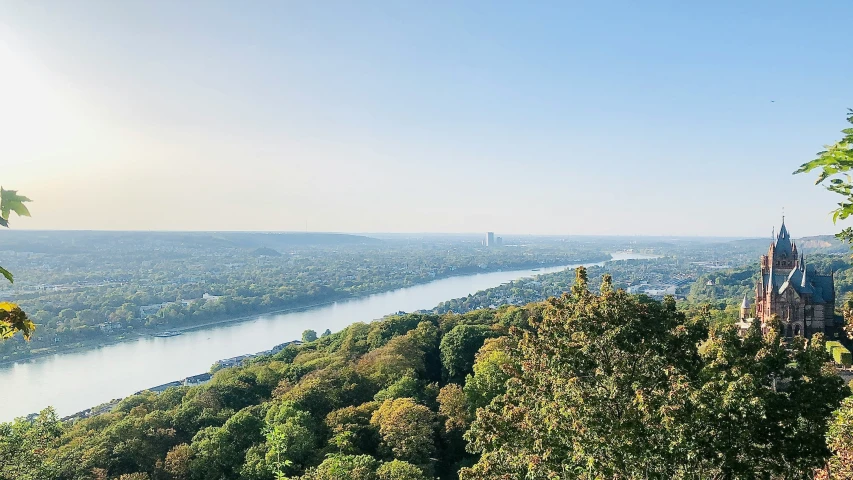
(589, 385)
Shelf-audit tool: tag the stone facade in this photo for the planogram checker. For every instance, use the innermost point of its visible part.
(802, 299)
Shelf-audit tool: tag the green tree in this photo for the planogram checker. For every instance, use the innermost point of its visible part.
(834, 164)
(613, 386)
(24, 445)
(406, 387)
(400, 470)
(407, 429)
(12, 318)
(309, 336)
(840, 440)
(760, 395)
(453, 407)
(291, 436)
(490, 372)
(218, 452)
(351, 430)
(458, 348)
(344, 467)
(178, 462)
(134, 476)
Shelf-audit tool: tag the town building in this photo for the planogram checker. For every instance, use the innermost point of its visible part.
(802, 299)
(490, 239)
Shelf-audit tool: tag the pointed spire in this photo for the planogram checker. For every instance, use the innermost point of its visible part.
(804, 282)
(745, 303)
(783, 244)
(802, 262)
(783, 231)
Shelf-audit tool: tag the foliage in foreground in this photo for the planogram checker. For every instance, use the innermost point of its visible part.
(12, 318)
(834, 164)
(586, 386)
(613, 386)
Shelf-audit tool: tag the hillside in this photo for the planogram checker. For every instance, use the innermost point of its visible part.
(609, 387)
(823, 244)
(70, 241)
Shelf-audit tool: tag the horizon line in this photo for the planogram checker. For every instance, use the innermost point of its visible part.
(367, 234)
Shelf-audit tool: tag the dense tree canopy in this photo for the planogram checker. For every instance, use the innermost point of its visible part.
(589, 385)
(614, 386)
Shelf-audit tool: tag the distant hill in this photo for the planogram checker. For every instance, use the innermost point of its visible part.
(293, 239)
(81, 241)
(808, 245)
(822, 244)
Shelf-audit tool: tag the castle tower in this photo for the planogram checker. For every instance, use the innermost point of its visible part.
(744, 308)
(802, 299)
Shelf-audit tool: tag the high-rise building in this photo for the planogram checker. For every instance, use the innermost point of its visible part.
(499, 241)
(490, 239)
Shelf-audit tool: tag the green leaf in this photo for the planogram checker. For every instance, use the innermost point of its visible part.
(7, 274)
(10, 201)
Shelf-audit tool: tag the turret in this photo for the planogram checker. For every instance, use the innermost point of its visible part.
(744, 308)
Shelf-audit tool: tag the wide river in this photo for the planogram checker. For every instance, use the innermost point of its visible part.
(75, 381)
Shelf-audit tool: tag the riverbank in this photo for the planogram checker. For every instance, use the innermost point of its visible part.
(95, 343)
(75, 381)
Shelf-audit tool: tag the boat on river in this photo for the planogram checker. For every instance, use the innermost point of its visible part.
(167, 334)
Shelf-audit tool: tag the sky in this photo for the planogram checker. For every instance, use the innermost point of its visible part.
(604, 118)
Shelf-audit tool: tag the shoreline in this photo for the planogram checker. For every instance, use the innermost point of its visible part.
(94, 344)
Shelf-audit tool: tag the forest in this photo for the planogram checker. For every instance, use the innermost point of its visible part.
(596, 383)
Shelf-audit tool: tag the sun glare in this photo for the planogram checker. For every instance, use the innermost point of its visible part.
(35, 118)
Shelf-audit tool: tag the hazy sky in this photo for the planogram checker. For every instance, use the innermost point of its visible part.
(524, 117)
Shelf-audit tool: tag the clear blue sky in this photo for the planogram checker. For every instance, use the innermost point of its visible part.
(671, 118)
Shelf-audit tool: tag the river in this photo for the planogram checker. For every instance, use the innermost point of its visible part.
(75, 381)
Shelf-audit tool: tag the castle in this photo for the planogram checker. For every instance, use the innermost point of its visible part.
(801, 299)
